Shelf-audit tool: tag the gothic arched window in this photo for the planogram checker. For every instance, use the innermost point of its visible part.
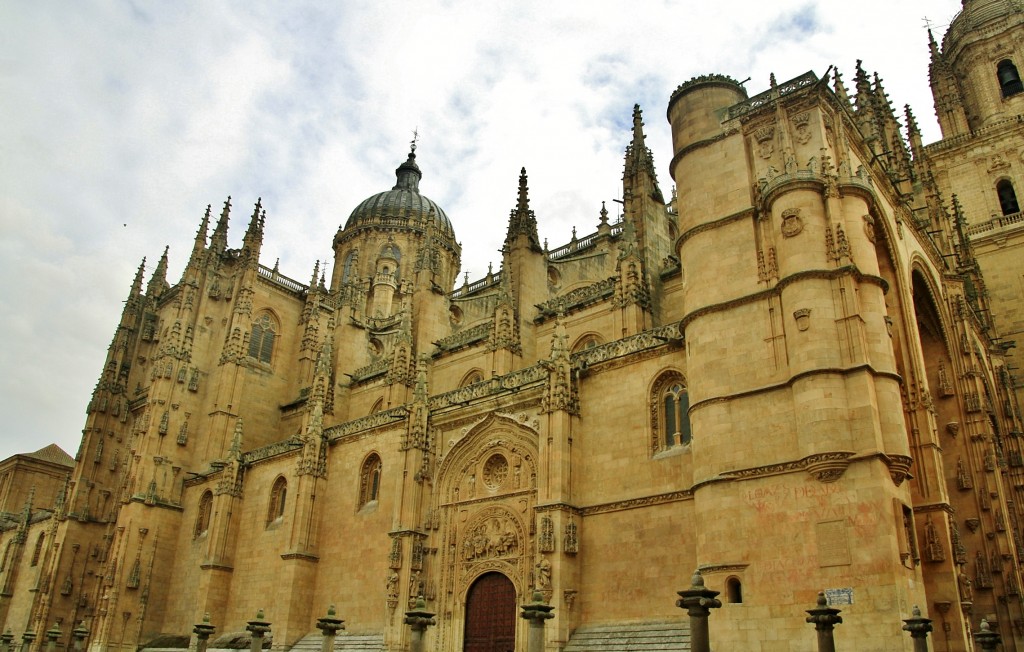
(1009, 78)
(676, 405)
(588, 341)
(203, 516)
(369, 480)
(473, 377)
(278, 493)
(1007, 197)
(670, 405)
(261, 341)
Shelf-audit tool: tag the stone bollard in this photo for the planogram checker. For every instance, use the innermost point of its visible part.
(419, 619)
(257, 629)
(698, 602)
(5, 641)
(536, 612)
(52, 635)
(918, 628)
(825, 619)
(986, 638)
(329, 625)
(26, 640)
(203, 632)
(78, 636)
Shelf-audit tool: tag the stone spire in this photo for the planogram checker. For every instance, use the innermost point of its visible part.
(522, 221)
(639, 159)
(132, 303)
(913, 134)
(200, 243)
(949, 107)
(840, 88)
(136, 290)
(253, 239)
(864, 101)
(219, 239)
(158, 282)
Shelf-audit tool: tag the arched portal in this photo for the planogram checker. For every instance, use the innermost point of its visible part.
(490, 615)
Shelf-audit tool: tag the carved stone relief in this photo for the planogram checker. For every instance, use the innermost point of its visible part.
(792, 223)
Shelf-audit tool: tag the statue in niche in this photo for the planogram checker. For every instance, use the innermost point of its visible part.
(392, 586)
(543, 579)
(964, 583)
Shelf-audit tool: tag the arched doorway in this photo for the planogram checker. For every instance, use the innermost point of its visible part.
(490, 615)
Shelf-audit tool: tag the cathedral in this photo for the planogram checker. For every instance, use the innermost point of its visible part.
(795, 373)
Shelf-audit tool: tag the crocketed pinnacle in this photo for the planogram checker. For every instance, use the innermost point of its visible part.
(521, 220)
(137, 283)
(158, 282)
(219, 239)
(254, 233)
(639, 159)
(200, 242)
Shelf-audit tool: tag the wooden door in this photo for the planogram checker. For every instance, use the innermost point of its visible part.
(490, 615)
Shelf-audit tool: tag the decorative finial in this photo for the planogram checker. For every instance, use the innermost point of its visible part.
(415, 137)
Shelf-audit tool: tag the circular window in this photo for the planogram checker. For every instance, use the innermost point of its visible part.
(495, 471)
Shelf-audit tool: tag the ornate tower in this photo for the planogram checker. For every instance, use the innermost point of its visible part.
(794, 400)
(979, 161)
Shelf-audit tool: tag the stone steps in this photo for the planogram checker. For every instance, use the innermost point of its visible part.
(343, 642)
(673, 636)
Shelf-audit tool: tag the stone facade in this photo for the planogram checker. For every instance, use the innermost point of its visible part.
(789, 375)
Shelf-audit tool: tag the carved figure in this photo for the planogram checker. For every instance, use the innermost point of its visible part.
(543, 579)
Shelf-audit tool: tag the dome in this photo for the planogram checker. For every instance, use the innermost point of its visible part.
(402, 206)
(974, 16)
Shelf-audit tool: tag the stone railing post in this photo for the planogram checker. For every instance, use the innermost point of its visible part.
(203, 632)
(985, 637)
(78, 636)
(918, 628)
(536, 612)
(698, 602)
(329, 626)
(5, 641)
(52, 635)
(257, 629)
(26, 640)
(418, 620)
(825, 618)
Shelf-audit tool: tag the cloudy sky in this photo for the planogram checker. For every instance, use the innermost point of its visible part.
(120, 122)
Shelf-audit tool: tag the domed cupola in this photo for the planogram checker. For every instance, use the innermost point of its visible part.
(980, 19)
(401, 207)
